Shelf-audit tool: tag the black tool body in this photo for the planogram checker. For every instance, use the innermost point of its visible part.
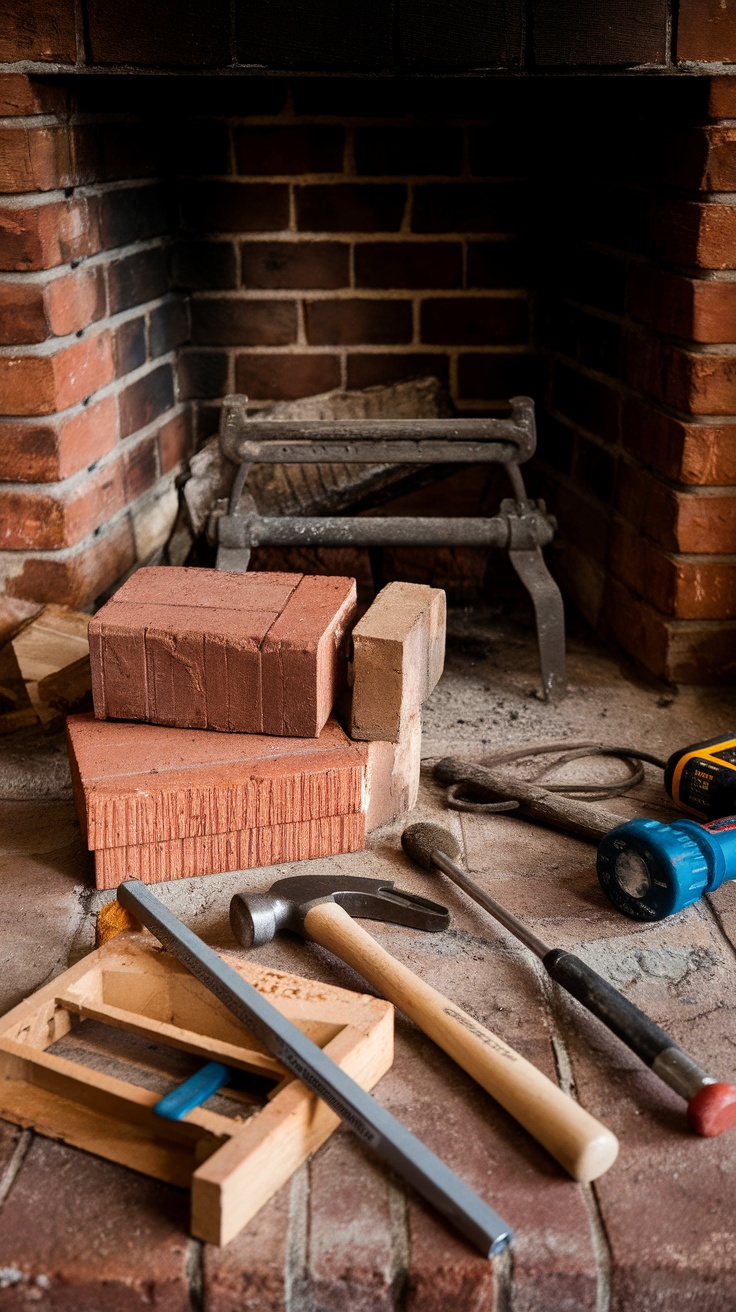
(701, 778)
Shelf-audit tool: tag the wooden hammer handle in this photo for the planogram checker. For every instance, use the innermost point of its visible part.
(579, 1142)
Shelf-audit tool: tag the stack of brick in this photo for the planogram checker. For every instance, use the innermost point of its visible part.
(213, 745)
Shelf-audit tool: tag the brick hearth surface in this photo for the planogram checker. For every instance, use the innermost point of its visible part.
(656, 1232)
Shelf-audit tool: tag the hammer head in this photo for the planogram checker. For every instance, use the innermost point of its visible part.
(256, 917)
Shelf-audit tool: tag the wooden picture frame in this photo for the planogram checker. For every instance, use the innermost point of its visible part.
(231, 1166)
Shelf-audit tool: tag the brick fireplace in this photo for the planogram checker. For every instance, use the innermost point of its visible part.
(165, 240)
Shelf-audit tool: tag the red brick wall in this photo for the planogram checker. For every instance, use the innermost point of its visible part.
(165, 241)
(91, 431)
(346, 234)
(636, 316)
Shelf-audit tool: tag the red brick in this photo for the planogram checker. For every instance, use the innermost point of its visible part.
(304, 656)
(288, 150)
(585, 400)
(129, 345)
(229, 321)
(481, 207)
(706, 32)
(139, 277)
(34, 159)
(685, 452)
(42, 521)
(39, 30)
(699, 309)
(175, 442)
(350, 1230)
(249, 1271)
(21, 95)
(78, 576)
(416, 264)
(160, 36)
(146, 399)
(494, 377)
(398, 151)
(696, 234)
(702, 159)
(202, 374)
(287, 264)
(234, 206)
(684, 588)
(497, 264)
(722, 97)
(33, 452)
(22, 318)
(285, 377)
(43, 236)
(241, 849)
(43, 384)
(474, 320)
(698, 522)
(703, 383)
(349, 207)
(583, 519)
(370, 323)
(685, 651)
(370, 369)
(168, 326)
(272, 660)
(91, 1264)
(140, 466)
(75, 300)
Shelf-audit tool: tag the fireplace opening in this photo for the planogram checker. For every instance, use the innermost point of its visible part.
(170, 240)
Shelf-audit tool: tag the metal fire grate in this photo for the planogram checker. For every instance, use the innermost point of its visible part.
(522, 527)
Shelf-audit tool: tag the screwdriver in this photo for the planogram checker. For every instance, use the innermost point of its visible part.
(711, 1104)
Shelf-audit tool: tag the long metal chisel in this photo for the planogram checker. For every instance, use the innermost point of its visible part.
(388, 1138)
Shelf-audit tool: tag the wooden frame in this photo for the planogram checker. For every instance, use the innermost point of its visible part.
(232, 1166)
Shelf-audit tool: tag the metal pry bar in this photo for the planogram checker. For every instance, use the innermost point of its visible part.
(377, 1128)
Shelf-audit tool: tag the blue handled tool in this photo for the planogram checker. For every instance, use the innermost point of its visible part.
(194, 1091)
(651, 870)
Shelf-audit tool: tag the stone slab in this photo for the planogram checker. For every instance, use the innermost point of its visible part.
(238, 653)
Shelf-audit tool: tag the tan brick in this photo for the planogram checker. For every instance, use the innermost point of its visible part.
(398, 656)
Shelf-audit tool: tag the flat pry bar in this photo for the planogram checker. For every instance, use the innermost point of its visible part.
(377, 1128)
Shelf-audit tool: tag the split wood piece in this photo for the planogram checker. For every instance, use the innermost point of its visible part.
(398, 657)
(51, 651)
(207, 649)
(232, 1166)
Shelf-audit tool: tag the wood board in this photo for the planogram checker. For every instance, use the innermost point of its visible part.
(232, 1163)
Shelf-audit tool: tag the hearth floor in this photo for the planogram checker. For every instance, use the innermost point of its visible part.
(656, 1232)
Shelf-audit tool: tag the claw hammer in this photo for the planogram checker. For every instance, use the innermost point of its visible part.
(321, 908)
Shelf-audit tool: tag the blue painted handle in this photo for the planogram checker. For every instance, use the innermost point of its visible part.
(193, 1092)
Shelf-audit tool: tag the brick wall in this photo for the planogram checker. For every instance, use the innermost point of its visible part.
(165, 241)
(91, 433)
(347, 234)
(637, 318)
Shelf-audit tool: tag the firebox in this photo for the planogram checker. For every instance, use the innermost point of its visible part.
(286, 201)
